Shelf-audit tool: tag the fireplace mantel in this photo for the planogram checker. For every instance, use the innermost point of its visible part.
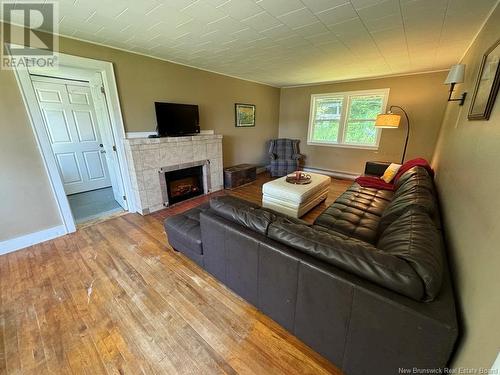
(148, 158)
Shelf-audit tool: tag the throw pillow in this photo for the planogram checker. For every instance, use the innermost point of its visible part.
(390, 172)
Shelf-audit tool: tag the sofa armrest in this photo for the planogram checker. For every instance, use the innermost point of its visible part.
(376, 168)
(242, 212)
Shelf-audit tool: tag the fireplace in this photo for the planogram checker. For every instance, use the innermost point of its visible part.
(184, 183)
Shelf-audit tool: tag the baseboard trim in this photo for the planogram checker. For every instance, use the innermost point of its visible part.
(337, 174)
(21, 242)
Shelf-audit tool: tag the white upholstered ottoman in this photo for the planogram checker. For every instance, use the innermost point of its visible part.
(295, 200)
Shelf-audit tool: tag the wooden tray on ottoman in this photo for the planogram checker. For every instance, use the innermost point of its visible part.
(303, 180)
(239, 175)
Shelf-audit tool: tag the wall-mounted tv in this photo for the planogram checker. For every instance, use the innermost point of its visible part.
(176, 119)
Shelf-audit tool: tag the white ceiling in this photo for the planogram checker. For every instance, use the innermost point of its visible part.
(285, 42)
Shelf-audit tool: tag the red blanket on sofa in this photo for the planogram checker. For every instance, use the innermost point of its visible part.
(374, 182)
(378, 183)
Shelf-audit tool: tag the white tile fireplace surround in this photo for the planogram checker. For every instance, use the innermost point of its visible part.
(149, 158)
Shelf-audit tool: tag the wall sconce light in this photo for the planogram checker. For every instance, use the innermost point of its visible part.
(456, 75)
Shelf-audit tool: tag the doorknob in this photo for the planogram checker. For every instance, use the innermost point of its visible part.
(103, 151)
(101, 145)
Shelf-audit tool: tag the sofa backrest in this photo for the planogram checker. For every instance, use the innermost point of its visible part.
(414, 190)
(350, 254)
(407, 257)
(409, 228)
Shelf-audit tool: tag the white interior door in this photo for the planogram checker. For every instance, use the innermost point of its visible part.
(96, 86)
(71, 123)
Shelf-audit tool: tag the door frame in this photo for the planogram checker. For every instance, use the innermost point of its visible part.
(106, 71)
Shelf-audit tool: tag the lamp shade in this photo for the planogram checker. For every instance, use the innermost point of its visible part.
(387, 120)
(456, 74)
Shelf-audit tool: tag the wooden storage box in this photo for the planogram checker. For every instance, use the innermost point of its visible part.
(239, 175)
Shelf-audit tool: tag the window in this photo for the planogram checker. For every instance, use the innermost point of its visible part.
(346, 119)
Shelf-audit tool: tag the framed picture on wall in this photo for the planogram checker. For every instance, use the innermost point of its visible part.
(244, 115)
(487, 84)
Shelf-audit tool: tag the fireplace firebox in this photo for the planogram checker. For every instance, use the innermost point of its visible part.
(183, 184)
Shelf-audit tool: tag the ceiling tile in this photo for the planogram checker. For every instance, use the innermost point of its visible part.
(277, 32)
(240, 9)
(338, 14)
(352, 27)
(203, 11)
(359, 4)
(389, 22)
(321, 5)
(226, 24)
(393, 39)
(261, 21)
(388, 7)
(247, 34)
(178, 4)
(217, 3)
(298, 18)
(310, 31)
(280, 7)
(285, 41)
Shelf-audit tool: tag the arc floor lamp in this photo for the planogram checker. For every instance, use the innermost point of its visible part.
(392, 120)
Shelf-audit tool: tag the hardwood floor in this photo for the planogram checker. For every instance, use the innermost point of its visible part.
(253, 193)
(113, 298)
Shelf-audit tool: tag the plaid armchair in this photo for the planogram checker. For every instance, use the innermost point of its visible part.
(284, 155)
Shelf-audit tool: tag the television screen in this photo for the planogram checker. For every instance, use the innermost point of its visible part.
(176, 119)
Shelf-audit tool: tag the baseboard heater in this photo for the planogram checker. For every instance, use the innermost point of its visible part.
(337, 174)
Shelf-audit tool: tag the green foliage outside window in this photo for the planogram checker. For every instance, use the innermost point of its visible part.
(326, 130)
(327, 116)
(359, 127)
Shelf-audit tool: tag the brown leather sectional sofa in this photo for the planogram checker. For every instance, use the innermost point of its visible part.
(367, 285)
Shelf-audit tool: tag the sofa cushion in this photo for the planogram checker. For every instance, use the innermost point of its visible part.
(415, 189)
(243, 212)
(352, 255)
(356, 212)
(414, 238)
(183, 230)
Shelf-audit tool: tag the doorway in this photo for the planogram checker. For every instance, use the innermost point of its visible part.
(75, 131)
(75, 113)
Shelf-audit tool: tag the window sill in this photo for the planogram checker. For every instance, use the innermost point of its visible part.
(359, 147)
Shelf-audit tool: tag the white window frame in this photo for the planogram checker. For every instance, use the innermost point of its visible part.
(343, 118)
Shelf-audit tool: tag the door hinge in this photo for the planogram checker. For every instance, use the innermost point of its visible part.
(102, 89)
(114, 147)
(124, 198)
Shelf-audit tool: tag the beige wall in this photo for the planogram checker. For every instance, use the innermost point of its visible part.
(466, 162)
(26, 196)
(142, 81)
(423, 96)
(28, 205)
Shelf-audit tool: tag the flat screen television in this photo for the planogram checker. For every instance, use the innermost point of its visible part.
(176, 119)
